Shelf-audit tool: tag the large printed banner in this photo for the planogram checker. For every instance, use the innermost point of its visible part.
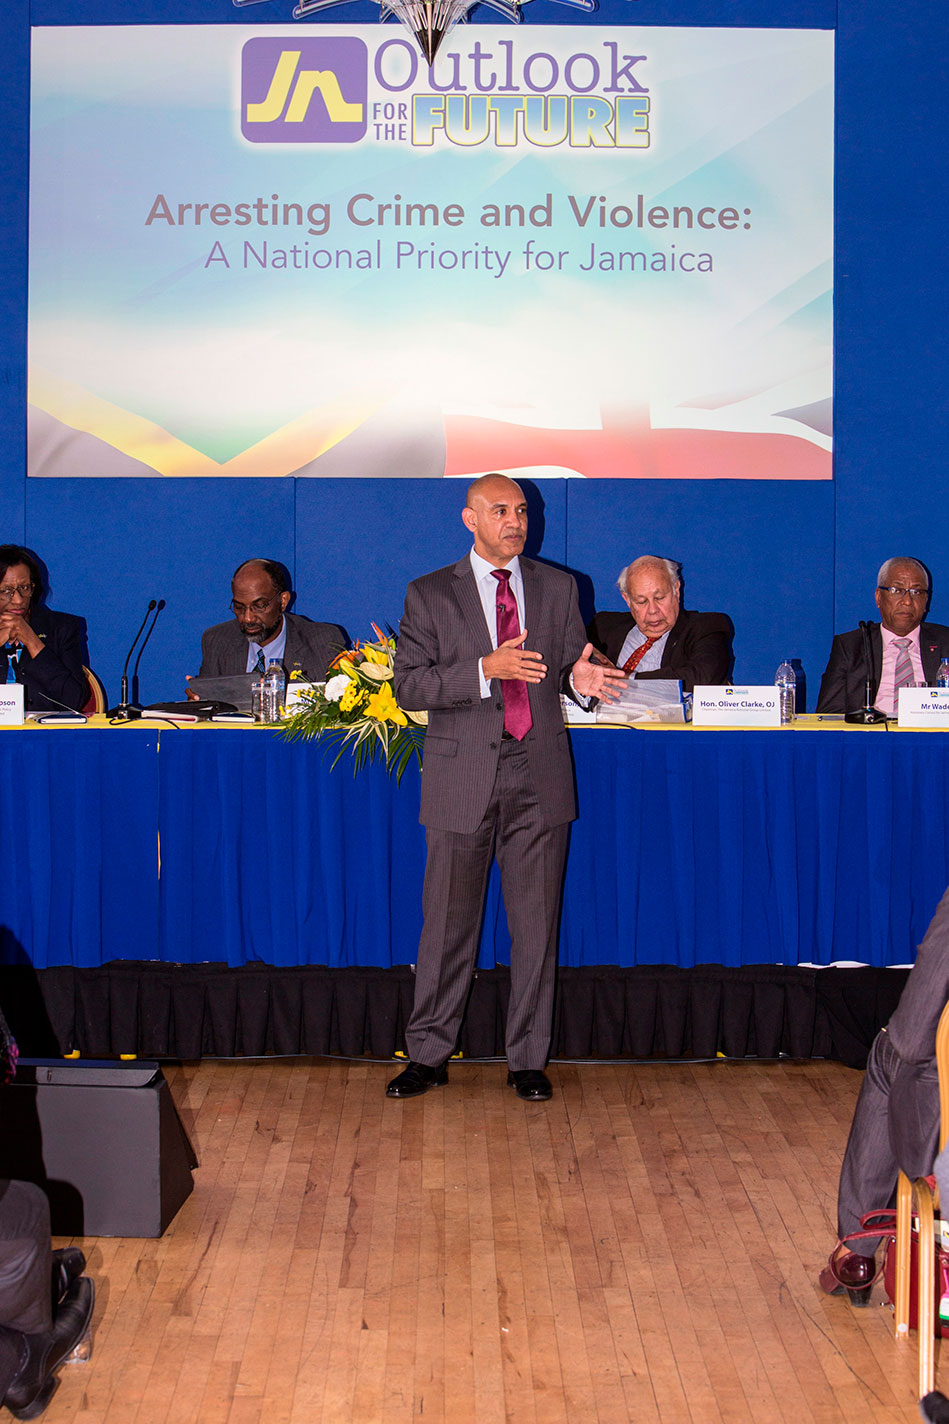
(574, 251)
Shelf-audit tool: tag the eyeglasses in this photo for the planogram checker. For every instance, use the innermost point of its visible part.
(8, 591)
(259, 605)
(901, 592)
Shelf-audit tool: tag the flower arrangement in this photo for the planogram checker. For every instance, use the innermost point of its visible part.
(356, 707)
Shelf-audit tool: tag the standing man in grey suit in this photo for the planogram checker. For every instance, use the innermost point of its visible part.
(485, 646)
(903, 649)
(896, 1120)
(262, 629)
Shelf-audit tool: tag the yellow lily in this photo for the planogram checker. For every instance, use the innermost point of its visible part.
(384, 708)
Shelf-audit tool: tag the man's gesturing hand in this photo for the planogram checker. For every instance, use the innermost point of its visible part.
(592, 679)
(511, 662)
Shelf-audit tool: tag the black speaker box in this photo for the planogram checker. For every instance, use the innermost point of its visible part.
(102, 1139)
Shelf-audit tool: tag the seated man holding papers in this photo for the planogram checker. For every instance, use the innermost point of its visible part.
(262, 629)
(658, 638)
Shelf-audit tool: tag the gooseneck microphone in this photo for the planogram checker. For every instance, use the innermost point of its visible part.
(136, 701)
(868, 714)
(125, 712)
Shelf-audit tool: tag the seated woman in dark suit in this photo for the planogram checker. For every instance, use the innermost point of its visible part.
(39, 648)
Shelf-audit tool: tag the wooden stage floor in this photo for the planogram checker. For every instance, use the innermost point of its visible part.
(643, 1248)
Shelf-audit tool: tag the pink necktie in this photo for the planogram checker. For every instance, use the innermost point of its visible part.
(517, 711)
(903, 671)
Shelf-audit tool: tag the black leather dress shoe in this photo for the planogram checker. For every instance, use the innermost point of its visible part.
(849, 1274)
(416, 1079)
(68, 1265)
(530, 1084)
(36, 1382)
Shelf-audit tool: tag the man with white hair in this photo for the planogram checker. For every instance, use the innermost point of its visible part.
(903, 649)
(658, 638)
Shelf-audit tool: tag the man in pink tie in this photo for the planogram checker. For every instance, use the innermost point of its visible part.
(485, 646)
(658, 638)
(903, 649)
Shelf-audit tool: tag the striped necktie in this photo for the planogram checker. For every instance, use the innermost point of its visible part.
(903, 672)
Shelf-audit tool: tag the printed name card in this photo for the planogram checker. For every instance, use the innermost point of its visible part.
(736, 707)
(924, 707)
(11, 704)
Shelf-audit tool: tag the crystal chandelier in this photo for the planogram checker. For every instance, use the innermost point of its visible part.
(428, 20)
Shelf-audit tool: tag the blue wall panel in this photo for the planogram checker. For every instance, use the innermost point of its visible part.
(111, 545)
(758, 551)
(359, 542)
(891, 302)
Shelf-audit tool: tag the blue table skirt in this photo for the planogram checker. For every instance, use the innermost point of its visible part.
(692, 847)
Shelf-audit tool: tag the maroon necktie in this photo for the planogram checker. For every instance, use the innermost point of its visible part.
(517, 711)
(636, 657)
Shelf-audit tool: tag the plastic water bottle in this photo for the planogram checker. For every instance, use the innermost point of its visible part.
(275, 687)
(786, 680)
(942, 676)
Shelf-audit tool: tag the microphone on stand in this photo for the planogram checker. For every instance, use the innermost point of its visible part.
(135, 694)
(124, 711)
(868, 714)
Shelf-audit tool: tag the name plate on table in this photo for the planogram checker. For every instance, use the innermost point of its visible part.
(11, 704)
(924, 707)
(736, 707)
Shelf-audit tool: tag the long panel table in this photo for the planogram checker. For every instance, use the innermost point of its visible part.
(812, 844)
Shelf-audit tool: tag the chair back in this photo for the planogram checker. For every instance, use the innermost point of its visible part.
(97, 700)
(942, 1067)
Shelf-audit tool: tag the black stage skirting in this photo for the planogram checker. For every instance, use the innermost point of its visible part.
(212, 1010)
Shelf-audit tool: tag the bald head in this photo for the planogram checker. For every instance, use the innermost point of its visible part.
(259, 597)
(902, 612)
(495, 512)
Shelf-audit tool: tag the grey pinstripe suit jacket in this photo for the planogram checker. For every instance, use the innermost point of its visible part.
(312, 645)
(443, 634)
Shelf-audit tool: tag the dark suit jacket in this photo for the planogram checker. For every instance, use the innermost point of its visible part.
(312, 645)
(54, 678)
(843, 686)
(698, 648)
(443, 634)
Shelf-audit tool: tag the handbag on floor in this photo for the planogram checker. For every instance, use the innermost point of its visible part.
(884, 1224)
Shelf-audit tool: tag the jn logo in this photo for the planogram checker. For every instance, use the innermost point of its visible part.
(304, 90)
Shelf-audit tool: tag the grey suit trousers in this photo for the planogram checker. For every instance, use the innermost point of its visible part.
(895, 1125)
(531, 860)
